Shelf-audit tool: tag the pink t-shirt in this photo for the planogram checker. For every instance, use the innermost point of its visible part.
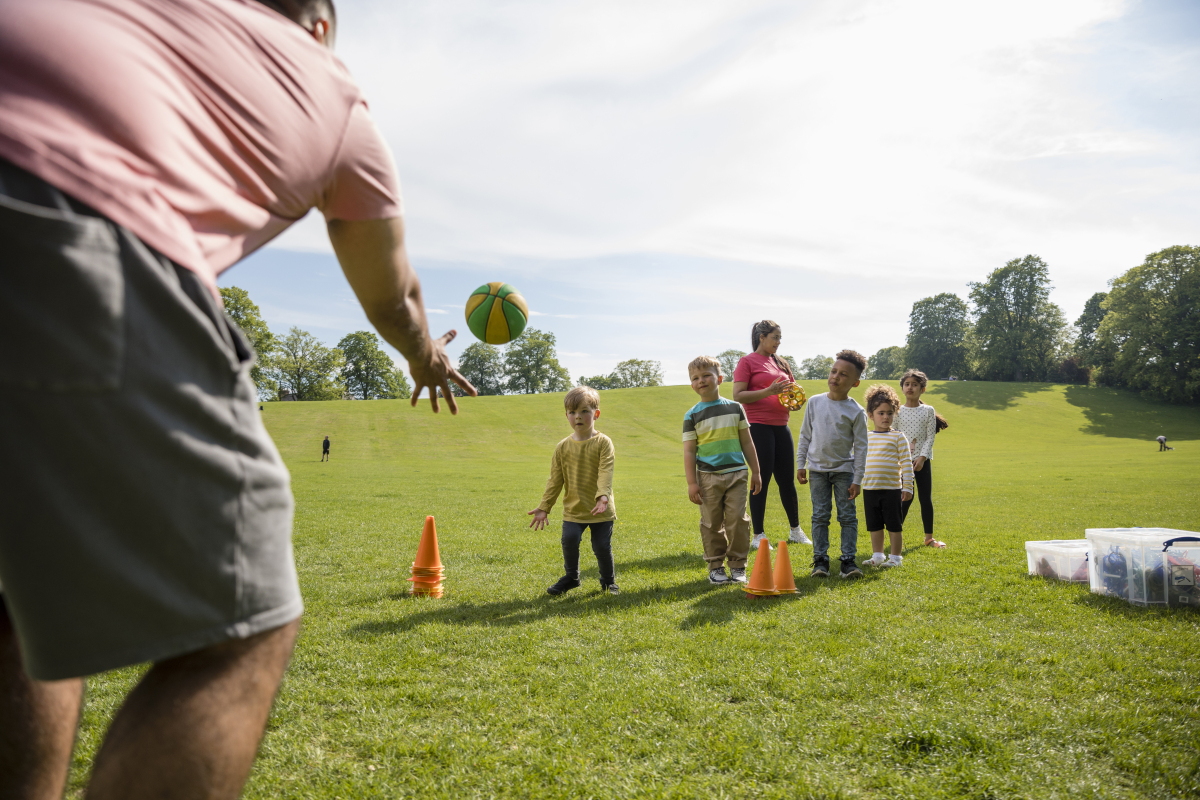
(206, 127)
(759, 372)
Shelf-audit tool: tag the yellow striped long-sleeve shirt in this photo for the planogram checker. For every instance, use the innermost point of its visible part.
(583, 472)
(889, 461)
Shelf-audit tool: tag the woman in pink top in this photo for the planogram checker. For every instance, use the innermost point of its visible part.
(758, 381)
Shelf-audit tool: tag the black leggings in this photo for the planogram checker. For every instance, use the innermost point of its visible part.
(776, 456)
(924, 487)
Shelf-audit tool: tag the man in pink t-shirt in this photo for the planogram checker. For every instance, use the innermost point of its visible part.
(145, 147)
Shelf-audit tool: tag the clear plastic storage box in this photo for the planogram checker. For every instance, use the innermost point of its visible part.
(1065, 559)
(1146, 566)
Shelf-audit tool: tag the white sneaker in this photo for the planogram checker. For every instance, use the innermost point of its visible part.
(875, 561)
(891, 563)
(737, 575)
(758, 539)
(797, 536)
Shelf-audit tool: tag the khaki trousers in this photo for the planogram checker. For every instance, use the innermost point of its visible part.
(724, 525)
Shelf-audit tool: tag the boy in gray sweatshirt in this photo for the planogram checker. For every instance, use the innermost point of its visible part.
(831, 457)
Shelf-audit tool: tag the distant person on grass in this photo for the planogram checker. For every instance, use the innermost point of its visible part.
(1162, 444)
(888, 480)
(831, 456)
(144, 148)
(325, 449)
(920, 423)
(717, 447)
(582, 470)
(758, 380)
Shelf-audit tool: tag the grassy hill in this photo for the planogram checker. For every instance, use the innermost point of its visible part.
(954, 676)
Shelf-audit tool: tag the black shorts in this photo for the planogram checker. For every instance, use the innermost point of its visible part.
(882, 507)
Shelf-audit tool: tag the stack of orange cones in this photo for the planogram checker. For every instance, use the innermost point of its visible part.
(427, 570)
(762, 581)
(785, 583)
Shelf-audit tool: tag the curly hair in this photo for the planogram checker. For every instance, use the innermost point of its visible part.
(879, 394)
(853, 357)
(917, 375)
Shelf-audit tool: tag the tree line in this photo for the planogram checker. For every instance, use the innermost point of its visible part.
(300, 367)
(1142, 334)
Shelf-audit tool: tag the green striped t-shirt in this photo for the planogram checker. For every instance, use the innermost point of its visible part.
(714, 426)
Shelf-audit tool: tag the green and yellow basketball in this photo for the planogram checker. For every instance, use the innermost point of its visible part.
(496, 313)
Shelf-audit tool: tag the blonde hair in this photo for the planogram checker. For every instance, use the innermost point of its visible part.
(703, 363)
(580, 396)
(879, 394)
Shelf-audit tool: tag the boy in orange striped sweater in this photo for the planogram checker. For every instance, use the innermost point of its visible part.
(888, 480)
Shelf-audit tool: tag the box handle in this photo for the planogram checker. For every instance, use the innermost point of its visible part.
(1180, 539)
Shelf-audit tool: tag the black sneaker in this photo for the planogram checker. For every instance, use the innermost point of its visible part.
(610, 588)
(850, 570)
(565, 584)
(820, 567)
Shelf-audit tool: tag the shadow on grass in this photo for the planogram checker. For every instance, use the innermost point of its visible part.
(1120, 608)
(1121, 414)
(986, 395)
(710, 605)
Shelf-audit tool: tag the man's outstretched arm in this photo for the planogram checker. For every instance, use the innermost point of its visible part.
(375, 263)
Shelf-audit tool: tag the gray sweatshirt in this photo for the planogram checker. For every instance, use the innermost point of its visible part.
(833, 437)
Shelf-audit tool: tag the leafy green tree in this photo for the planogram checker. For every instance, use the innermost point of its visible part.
(1150, 338)
(368, 373)
(245, 313)
(1087, 325)
(1018, 331)
(483, 366)
(531, 364)
(815, 368)
(729, 360)
(634, 372)
(598, 382)
(795, 367)
(305, 367)
(938, 331)
(886, 364)
(400, 388)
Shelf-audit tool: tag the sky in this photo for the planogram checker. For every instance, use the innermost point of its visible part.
(654, 177)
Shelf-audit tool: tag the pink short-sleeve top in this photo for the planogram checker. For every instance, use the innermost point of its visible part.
(759, 372)
(206, 127)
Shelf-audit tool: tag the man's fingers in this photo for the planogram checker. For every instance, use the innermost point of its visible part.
(466, 385)
(433, 398)
(416, 395)
(448, 337)
(450, 401)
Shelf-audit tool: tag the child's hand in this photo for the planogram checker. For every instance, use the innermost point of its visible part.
(694, 493)
(854, 490)
(905, 497)
(755, 483)
(601, 506)
(918, 463)
(539, 519)
(802, 476)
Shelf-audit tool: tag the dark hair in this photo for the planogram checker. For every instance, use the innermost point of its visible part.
(761, 329)
(914, 373)
(853, 357)
(304, 12)
(879, 394)
(940, 425)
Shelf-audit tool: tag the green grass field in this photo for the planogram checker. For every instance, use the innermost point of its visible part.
(954, 676)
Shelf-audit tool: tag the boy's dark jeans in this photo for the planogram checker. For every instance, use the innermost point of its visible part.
(572, 533)
(821, 486)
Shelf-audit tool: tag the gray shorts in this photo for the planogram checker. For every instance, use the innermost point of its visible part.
(146, 512)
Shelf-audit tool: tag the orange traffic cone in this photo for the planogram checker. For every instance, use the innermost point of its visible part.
(427, 570)
(785, 583)
(762, 582)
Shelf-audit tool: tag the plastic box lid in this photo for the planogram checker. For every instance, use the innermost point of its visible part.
(1140, 537)
(1070, 546)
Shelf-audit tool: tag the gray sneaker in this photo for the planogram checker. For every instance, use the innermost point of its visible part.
(759, 538)
(738, 575)
(797, 536)
(718, 576)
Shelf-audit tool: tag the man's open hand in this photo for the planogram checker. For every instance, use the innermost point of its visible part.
(436, 373)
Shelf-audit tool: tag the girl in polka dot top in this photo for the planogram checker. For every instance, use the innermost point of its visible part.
(919, 422)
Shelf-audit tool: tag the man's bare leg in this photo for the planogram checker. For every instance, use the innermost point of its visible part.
(191, 728)
(37, 725)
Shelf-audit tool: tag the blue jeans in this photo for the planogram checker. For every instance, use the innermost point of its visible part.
(572, 533)
(820, 486)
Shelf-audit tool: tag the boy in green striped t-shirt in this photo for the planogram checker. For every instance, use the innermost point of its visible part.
(716, 450)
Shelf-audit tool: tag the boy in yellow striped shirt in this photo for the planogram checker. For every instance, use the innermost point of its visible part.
(888, 480)
(582, 468)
